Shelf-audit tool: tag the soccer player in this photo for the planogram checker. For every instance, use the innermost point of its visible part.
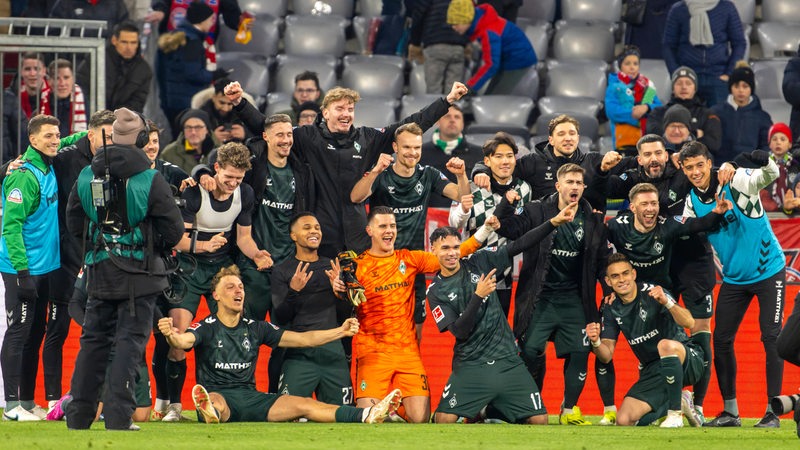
(386, 348)
(486, 363)
(652, 323)
(753, 264)
(227, 351)
(214, 215)
(407, 187)
(500, 157)
(556, 291)
(303, 301)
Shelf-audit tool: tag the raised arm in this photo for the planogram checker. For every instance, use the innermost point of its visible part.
(175, 338)
(319, 337)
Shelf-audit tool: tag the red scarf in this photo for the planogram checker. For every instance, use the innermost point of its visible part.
(177, 12)
(77, 116)
(640, 84)
(25, 100)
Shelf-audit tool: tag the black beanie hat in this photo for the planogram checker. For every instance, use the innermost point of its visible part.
(742, 72)
(198, 12)
(197, 114)
(677, 114)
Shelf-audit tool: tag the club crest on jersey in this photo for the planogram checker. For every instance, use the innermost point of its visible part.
(643, 314)
(579, 234)
(438, 314)
(418, 188)
(15, 196)
(357, 146)
(474, 278)
(363, 385)
(246, 344)
(453, 402)
(402, 267)
(658, 247)
(672, 195)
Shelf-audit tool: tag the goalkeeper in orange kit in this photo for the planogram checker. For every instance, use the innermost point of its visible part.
(383, 295)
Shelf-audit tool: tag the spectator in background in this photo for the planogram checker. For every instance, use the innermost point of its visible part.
(66, 101)
(745, 125)
(706, 35)
(128, 75)
(307, 113)
(224, 123)
(704, 124)
(433, 42)
(182, 60)
(113, 12)
(33, 80)
(647, 35)
(791, 91)
(629, 98)
(506, 51)
(306, 89)
(194, 142)
(446, 142)
(677, 124)
(780, 195)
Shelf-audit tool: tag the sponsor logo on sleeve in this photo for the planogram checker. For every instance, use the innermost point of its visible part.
(15, 196)
(438, 314)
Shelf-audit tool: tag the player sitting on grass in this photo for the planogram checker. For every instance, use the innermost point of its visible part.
(227, 351)
(653, 325)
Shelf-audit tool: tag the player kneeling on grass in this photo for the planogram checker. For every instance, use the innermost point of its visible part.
(487, 368)
(654, 326)
(227, 351)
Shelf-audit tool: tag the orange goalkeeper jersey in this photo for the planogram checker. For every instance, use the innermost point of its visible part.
(386, 319)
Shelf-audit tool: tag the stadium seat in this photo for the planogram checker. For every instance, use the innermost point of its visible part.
(656, 71)
(604, 144)
(777, 108)
(780, 11)
(370, 8)
(528, 85)
(591, 10)
(251, 71)
(559, 104)
(583, 41)
(538, 10)
(314, 36)
(502, 109)
(288, 66)
(410, 104)
(589, 125)
(278, 101)
(747, 10)
(376, 112)
(584, 142)
(361, 30)
(577, 79)
(275, 8)
(265, 38)
(374, 76)
(416, 79)
(341, 8)
(778, 39)
(539, 36)
(769, 77)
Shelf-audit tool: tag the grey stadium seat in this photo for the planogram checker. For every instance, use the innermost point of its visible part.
(314, 36)
(780, 11)
(502, 109)
(416, 79)
(376, 112)
(777, 108)
(777, 38)
(341, 8)
(374, 76)
(265, 38)
(576, 79)
(290, 65)
(591, 10)
(556, 104)
(538, 10)
(278, 101)
(275, 8)
(370, 8)
(248, 69)
(410, 104)
(656, 71)
(769, 77)
(747, 10)
(578, 41)
(539, 36)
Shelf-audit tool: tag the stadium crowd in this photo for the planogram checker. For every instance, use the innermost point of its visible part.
(307, 233)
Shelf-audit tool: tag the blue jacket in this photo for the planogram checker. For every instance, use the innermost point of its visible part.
(619, 103)
(743, 130)
(184, 68)
(503, 45)
(726, 27)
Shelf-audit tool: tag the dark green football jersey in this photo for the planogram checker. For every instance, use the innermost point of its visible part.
(566, 257)
(492, 338)
(409, 198)
(226, 357)
(650, 253)
(643, 322)
(271, 222)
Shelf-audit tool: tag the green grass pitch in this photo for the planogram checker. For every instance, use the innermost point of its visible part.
(392, 436)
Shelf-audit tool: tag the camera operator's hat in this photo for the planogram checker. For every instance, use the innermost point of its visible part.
(127, 126)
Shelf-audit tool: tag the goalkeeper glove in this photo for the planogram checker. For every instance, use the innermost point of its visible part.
(355, 290)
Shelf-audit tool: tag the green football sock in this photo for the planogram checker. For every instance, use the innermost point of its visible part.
(673, 375)
(350, 414)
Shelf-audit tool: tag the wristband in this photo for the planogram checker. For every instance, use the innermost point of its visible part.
(596, 343)
(669, 304)
(482, 234)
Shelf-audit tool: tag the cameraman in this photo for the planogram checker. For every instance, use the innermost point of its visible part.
(124, 270)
